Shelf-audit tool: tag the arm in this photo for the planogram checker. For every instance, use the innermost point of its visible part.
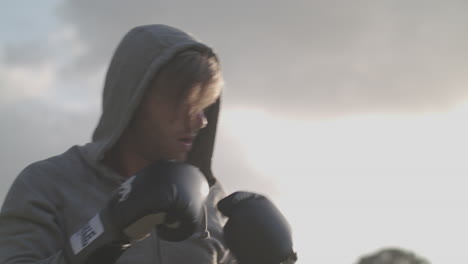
(166, 196)
(29, 229)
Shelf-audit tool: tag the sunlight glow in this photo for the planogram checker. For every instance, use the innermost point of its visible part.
(355, 184)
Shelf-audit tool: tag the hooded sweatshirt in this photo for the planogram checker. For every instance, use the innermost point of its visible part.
(51, 199)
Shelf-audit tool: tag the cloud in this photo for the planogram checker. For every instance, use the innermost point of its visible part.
(22, 81)
(307, 58)
(33, 129)
(31, 52)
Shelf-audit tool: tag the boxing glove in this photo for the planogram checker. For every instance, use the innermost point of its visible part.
(166, 195)
(256, 232)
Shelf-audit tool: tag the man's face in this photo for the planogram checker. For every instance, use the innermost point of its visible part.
(165, 127)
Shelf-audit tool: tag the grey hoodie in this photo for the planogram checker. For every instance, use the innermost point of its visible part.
(51, 199)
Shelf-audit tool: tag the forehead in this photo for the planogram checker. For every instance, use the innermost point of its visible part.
(191, 76)
(195, 95)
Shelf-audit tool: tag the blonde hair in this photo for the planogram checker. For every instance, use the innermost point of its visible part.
(193, 75)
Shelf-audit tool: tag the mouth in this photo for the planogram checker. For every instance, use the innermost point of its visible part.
(187, 141)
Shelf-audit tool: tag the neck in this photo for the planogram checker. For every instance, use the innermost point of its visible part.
(124, 160)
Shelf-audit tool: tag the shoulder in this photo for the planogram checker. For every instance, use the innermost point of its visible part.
(54, 164)
(46, 178)
(53, 168)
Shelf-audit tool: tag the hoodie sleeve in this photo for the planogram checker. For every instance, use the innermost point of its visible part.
(216, 223)
(29, 229)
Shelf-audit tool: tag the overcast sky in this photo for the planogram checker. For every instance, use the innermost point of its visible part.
(351, 115)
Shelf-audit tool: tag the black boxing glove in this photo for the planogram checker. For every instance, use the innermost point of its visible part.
(256, 231)
(166, 195)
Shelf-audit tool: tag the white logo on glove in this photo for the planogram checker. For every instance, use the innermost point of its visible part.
(125, 189)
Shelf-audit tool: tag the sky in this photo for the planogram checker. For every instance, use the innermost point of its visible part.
(350, 115)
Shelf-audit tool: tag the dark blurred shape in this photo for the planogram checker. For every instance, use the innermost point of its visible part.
(392, 256)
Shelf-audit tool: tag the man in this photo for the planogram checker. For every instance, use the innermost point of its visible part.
(160, 109)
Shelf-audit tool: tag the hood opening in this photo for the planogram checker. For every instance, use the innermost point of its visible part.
(140, 55)
(203, 147)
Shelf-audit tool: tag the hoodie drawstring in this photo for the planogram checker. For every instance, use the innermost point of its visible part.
(206, 233)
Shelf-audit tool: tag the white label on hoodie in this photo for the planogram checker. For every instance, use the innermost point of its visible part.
(87, 234)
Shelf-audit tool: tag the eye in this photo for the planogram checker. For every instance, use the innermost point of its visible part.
(195, 113)
(192, 109)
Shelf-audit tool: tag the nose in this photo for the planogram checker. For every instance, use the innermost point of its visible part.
(198, 121)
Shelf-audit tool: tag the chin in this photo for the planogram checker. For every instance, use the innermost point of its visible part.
(181, 157)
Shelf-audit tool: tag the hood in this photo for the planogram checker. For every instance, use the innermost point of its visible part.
(143, 51)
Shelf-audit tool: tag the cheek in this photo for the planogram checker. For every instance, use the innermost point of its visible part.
(157, 128)
(142, 125)
(156, 123)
